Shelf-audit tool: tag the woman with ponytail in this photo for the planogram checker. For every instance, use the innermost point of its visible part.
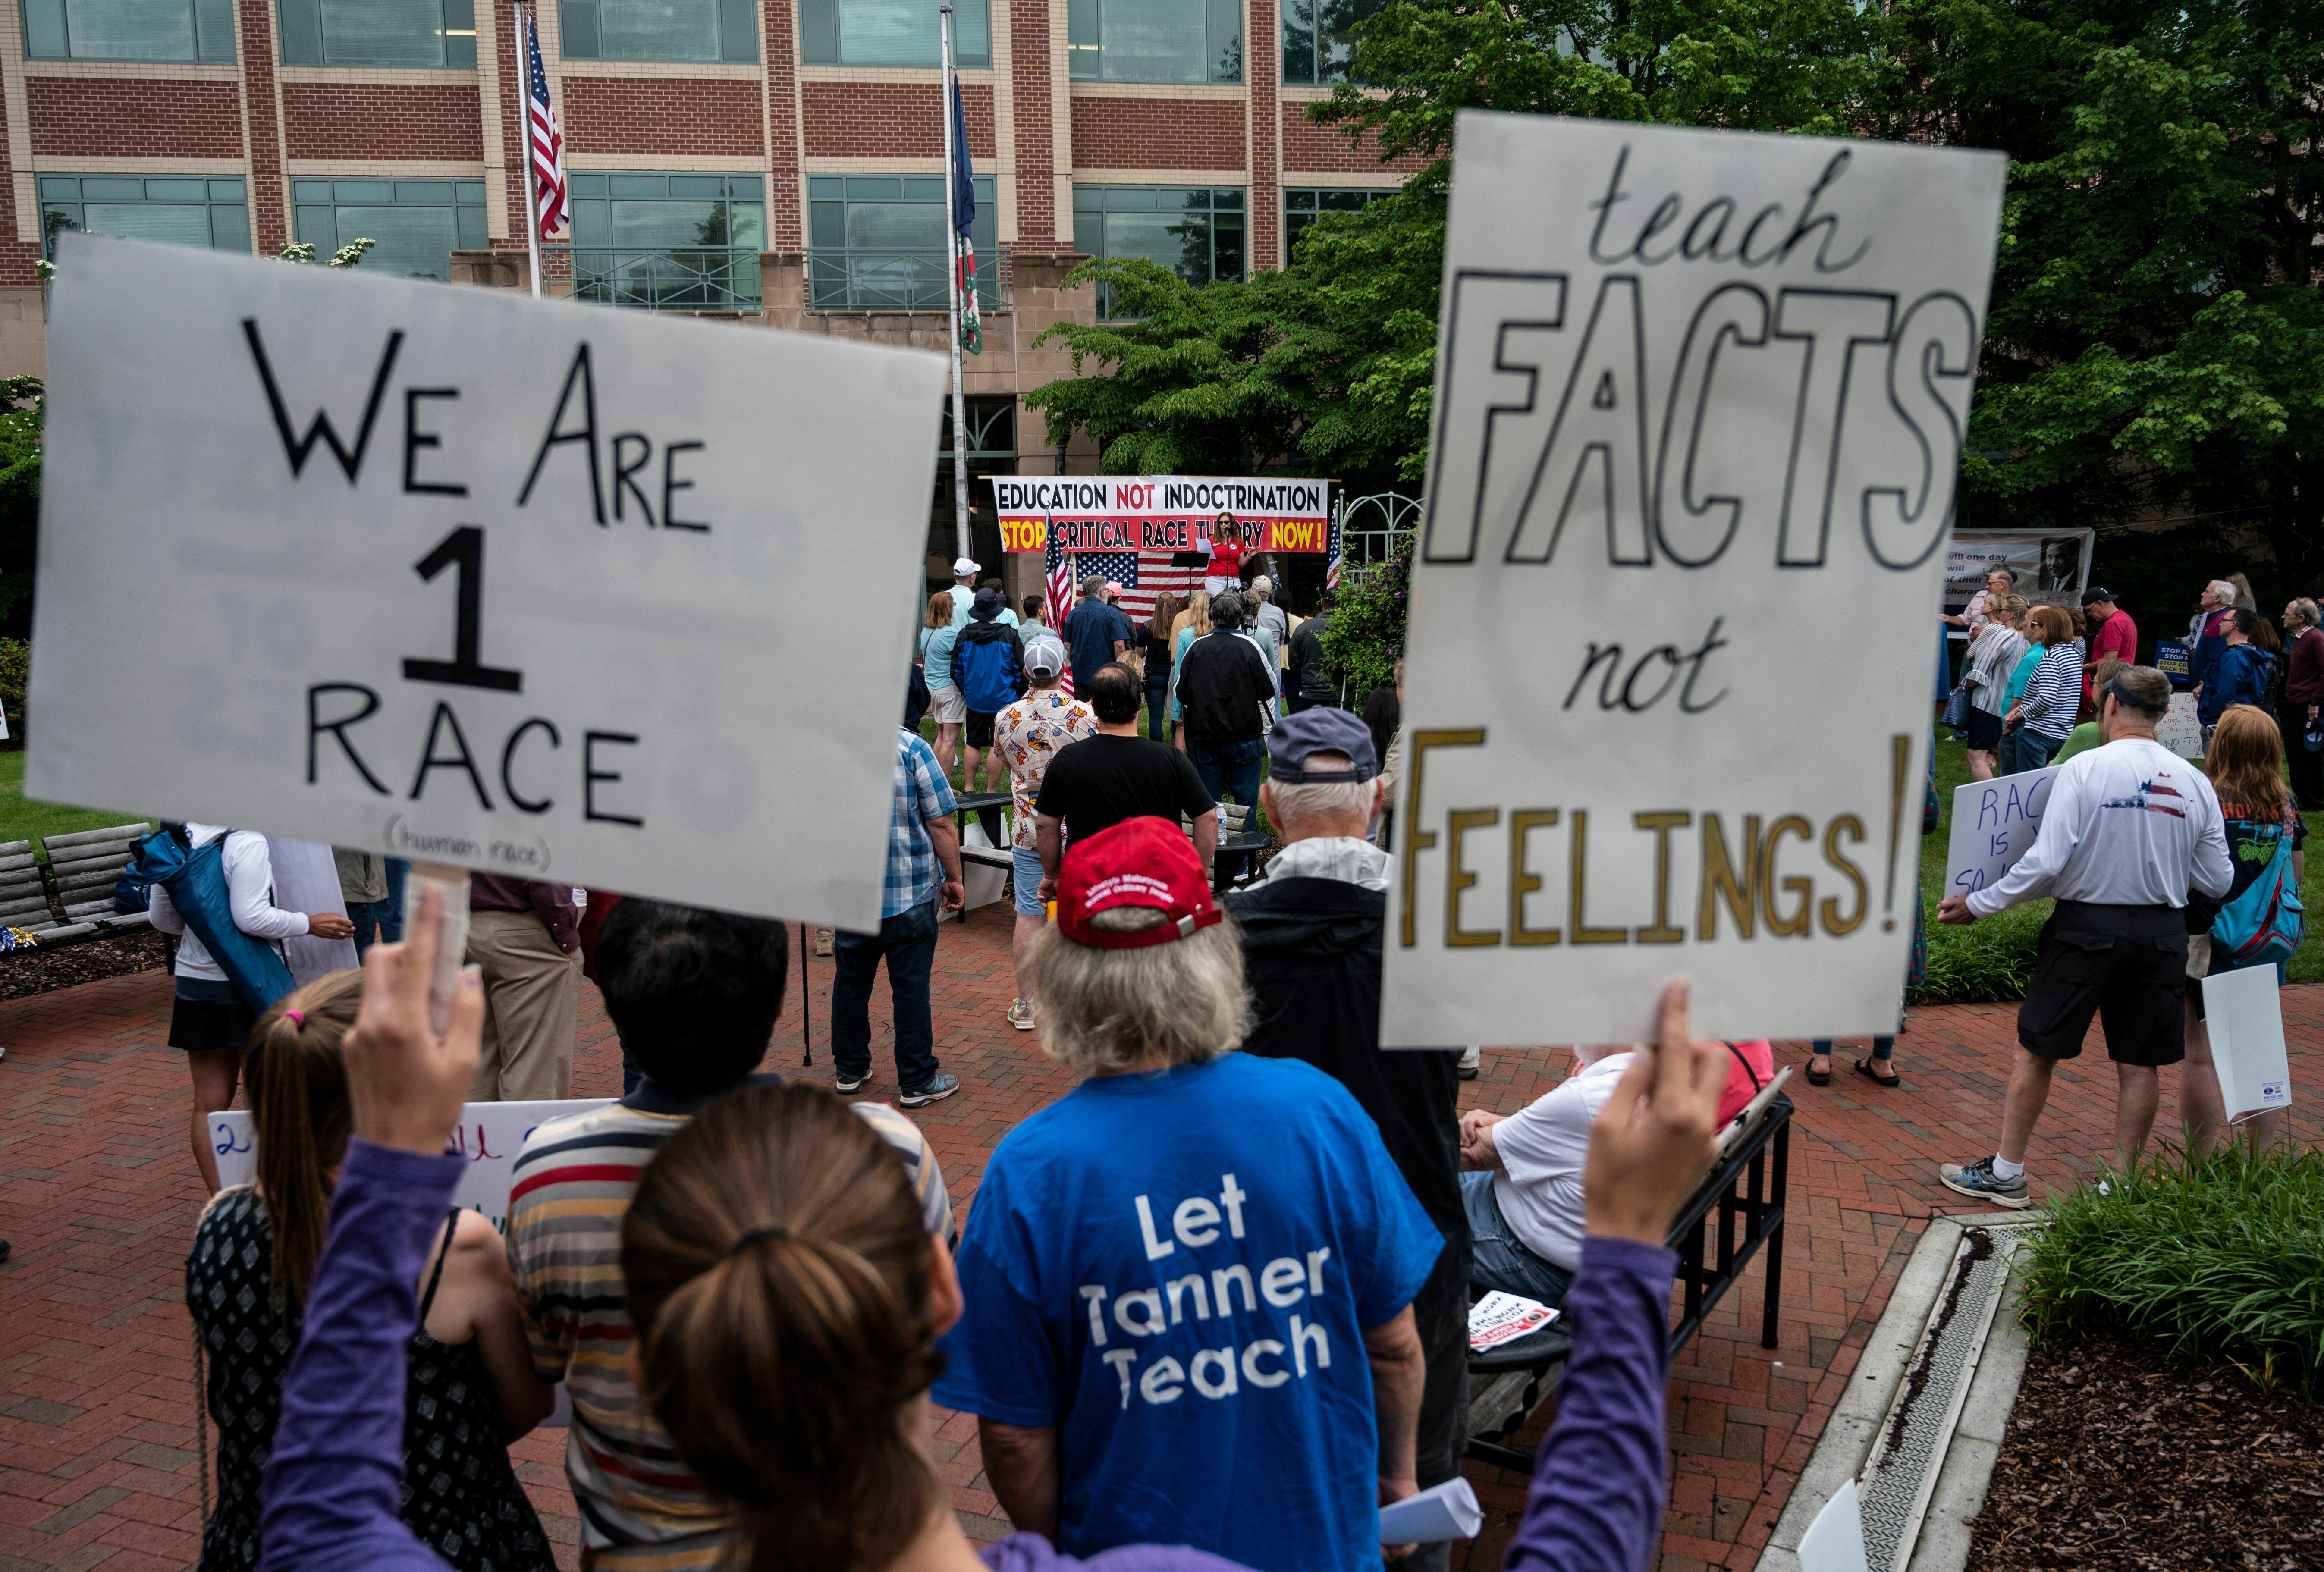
(247, 1279)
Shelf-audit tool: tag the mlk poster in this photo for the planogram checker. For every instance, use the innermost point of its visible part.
(470, 578)
(1700, 405)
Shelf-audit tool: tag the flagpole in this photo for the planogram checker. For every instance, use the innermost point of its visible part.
(532, 218)
(952, 290)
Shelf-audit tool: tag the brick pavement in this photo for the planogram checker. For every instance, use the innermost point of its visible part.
(99, 1451)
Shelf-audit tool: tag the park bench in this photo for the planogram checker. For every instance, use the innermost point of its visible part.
(1748, 1184)
(80, 872)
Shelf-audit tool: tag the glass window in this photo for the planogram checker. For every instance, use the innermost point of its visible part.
(876, 243)
(1300, 208)
(659, 29)
(1154, 41)
(892, 33)
(1194, 231)
(182, 209)
(129, 30)
(378, 33)
(414, 226)
(1319, 38)
(675, 243)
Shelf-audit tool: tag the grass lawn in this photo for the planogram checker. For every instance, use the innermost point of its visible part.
(22, 819)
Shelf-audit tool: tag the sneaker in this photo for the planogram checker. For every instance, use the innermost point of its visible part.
(1020, 1014)
(936, 1091)
(845, 1087)
(1472, 1061)
(1979, 1183)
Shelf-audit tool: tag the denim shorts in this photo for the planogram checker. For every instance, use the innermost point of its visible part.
(1025, 881)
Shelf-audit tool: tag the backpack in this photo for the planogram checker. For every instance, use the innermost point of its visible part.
(132, 892)
(2262, 925)
(196, 880)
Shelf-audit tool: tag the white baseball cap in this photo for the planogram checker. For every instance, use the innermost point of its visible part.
(962, 567)
(1044, 656)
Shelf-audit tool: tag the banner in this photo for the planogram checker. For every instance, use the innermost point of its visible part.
(458, 575)
(1993, 823)
(2051, 562)
(1700, 403)
(1151, 513)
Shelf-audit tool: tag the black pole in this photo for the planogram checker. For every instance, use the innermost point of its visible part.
(806, 1001)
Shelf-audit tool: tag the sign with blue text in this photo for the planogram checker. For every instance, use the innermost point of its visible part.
(525, 586)
(1700, 405)
(1993, 823)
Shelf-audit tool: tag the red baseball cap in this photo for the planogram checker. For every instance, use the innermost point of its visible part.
(1138, 862)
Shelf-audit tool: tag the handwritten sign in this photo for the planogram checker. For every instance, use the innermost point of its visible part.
(1688, 383)
(1993, 823)
(2181, 730)
(489, 1134)
(1159, 512)
(477, 579)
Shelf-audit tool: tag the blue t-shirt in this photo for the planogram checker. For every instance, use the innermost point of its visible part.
(1176, 1271)
(1091, 630)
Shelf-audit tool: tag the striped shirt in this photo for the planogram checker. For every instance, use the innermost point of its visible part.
(1990, 663)
(2053, 694)
(641, 1510)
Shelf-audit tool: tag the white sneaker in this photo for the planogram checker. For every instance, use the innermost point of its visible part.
(1020, 1014)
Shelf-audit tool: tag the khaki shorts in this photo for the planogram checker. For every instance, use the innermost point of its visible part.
(947, 706)
(2199, 955)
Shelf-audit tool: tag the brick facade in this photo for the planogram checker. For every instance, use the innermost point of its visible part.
(893, 120)
(1312, 149)
(262, 111)
(1159, 134)
(669, 116)
(92, 118)
(365, 121)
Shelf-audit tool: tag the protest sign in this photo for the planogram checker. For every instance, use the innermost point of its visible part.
(2244, 1010)
(1993, 823)
(1700, 403)
(489, 1136)
(2181, 730)
(2171, 659)
(2053, 564)
(451, 574)
(1159, 512)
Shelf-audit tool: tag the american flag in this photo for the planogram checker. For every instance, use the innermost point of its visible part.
(548, 191)
(1058, 573)
(1142, 575)
(1332, 567)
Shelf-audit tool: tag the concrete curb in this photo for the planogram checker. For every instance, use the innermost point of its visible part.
(1855, 1423)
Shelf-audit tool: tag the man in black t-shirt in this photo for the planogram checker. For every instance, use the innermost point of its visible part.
(1096, 783)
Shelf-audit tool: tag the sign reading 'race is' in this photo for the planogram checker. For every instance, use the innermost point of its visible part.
(526, 586)
(1700, 405)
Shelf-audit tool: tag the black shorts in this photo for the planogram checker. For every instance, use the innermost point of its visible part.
(2128, 966)
(209, 1016)
(980, 728)
(1984, 731)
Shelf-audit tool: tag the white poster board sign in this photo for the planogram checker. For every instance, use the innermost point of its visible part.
(489, 1134)
(1993, 823)
(2179, 729)
(2244, 1013)
(1699, 404)
(460, 576)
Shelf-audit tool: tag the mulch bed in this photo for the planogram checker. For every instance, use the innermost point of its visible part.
(38, 971)
(2120, 1457)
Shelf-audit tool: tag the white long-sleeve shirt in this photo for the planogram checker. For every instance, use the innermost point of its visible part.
(2128, 824)
(250, 893)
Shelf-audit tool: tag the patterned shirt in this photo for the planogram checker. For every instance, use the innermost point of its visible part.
(1029, 734)
(922, 794)
(641, 1510)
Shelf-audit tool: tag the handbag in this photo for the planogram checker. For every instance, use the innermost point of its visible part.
(1956, 707)
(2262, 925)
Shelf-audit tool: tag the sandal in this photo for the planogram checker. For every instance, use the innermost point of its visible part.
(1863, 1069)
(1820, 1077)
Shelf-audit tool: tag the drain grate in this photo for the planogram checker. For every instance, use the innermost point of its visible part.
(1894, 1491)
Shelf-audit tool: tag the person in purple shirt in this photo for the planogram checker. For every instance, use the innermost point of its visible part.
(702, 1236)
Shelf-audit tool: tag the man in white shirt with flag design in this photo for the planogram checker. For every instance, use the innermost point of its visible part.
(2129, 826)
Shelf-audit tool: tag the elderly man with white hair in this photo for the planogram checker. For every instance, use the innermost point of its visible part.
(2207, 632)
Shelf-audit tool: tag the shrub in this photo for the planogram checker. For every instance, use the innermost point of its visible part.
(1365, 638)
(15, 671)
(1989, 962)
(2221, 1259)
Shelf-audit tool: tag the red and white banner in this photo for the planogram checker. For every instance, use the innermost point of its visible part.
(1160, 512)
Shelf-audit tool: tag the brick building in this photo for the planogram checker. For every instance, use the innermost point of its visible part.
(774, 161)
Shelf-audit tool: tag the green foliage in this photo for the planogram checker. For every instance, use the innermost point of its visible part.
(1365, 637)
(346, 256)
(1988, 962)
(2220, 1259)
(15, 673)
(23, 405)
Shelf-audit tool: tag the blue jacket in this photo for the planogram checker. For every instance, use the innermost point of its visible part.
(988, 666)
(2239, 676)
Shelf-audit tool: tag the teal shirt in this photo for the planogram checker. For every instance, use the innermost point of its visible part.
(2019, 676)
(935, 658)
(960, 605)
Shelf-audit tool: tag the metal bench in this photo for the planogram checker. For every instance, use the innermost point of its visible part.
(80, 873)
(1508, 1382)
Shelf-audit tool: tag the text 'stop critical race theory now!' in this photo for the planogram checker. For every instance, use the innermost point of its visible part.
(532, 587)
(1700, 405)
